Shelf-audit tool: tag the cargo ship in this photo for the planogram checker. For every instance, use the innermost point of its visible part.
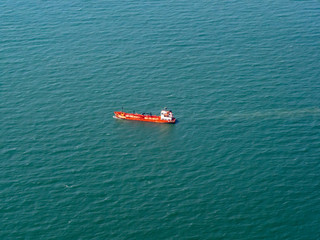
(166, 116)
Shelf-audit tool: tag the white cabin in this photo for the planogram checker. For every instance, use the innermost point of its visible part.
(166, 115)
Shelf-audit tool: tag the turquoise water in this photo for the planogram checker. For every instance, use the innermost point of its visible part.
(242, 78)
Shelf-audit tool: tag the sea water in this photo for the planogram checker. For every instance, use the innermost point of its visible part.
(241, 77)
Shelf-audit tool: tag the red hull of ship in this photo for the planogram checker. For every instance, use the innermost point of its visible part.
(142, 117)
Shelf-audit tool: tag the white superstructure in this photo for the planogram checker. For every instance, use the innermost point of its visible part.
(166, 115)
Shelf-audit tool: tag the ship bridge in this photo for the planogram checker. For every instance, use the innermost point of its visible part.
(166, 115)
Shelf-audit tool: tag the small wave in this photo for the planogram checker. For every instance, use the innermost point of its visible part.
(276, 113)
